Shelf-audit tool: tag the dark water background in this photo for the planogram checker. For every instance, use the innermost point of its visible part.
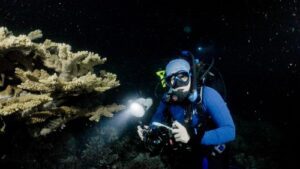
(255, 43)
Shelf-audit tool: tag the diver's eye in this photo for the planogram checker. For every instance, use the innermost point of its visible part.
(183, 77)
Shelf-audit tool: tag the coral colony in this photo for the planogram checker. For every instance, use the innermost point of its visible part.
(37, 79)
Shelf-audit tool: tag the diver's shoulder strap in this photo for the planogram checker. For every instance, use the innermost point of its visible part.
(200, 95)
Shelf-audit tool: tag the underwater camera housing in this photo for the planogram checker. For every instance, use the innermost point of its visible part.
(156, 139)
(159, 138)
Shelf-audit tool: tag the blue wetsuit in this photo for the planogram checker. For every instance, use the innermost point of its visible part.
(214, 106)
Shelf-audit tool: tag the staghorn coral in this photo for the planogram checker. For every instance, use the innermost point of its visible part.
(38, 80)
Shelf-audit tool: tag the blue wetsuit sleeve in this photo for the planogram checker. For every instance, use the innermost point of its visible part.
(159, 114)
(216, 107)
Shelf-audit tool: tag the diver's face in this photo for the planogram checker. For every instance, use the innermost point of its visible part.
(180, 85)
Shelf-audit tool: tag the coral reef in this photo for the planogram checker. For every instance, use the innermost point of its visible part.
(98, 151)
(84, 144)
(38, 80)
(100, 145)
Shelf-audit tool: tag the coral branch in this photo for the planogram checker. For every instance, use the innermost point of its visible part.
(23, 104)
(105, 111)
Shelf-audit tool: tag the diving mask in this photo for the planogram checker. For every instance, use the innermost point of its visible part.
(178, 79)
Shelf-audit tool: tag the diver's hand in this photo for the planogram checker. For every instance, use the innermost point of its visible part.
(180, 133)
(141, 131)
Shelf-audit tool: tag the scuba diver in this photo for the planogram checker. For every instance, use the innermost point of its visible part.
(192, 123)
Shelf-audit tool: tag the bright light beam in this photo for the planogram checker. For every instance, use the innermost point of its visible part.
(136, 109)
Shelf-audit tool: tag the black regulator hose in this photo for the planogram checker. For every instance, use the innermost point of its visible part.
(194, 73)
(193, 62)
(208, 69)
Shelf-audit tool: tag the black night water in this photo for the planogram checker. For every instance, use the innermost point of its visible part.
(255, 44)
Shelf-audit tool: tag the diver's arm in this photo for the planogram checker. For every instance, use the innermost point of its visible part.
(214, 104)
(159, 114)
(157, 117)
